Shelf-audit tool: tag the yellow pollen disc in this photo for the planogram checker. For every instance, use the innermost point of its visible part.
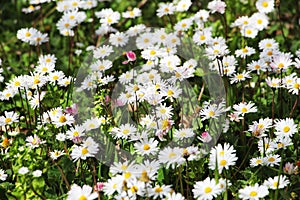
(7, 120)
(123, 167)
(146, 40)
(245, 50)
(240, 76)
(280, 145)
(84, 151)
(182, 134)
(72, 17)
(202, 37)
(297, 86)
(74, 4)
(253, 194)
(223, 162)
(269, 45)
(115, 186)
(270, 53)
(183, 25)
(216, 51)
(152, 52)
(109, 20)
(7, 94)
(244, 110)
(280, 65)
(44, 69)
(62, 119)
(245, 22)
(17, 83)
(260, 126)
(48, 60)
(75, 134)
(67, 25)
(134, 189)
(286, 129)
(146, 147)
(158, 190)
(226, 64)
(248, 32)
(56, 154)
(166, 10)
(127, 175)
(271, 159)
(135, 88)
(5, 143)
(55, 77)
(207, 190)
(36, 81)
(221, 153)
(211, 113)
(257, 67)
(275, 184)
(162, 37)
(82, 197)
(163, 111)
(258, 161)
(173, 40)
(259, 21)
(265, 4)
(151, 76)
(27, 34)
(170, 92)
(31, 7)
(125, 131)
(172, 154)
(131, 13)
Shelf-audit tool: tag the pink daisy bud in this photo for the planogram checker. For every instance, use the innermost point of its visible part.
(205, 137)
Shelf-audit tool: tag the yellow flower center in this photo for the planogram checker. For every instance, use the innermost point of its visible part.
(7, 120)
(258, 161)
(240, 76)
(280, 65)
(170, 92)
(146, 40)
(207, 190)
(152, 52)
(269, 45)
(172, 154)
(271, 159)
(123, 167)
(17, 83)
(245, 50)
(134, 189)
(84, 151)
(75, 134)
(82, 197)
(286, 129)
(223, 162)
(265, 4)
(275, 184)
(244, 110)
(211, 113)
(202, 37)
(146, 147)
(183, 25)
(125, 131)
(158, 190)
(259, 21)
(248, 32)
(257, 67)
(216, 51)
(62, 119)
(27, 34)
(221, 153)
(253, 194)
(127, 175)
(163, 111)
(297, 86)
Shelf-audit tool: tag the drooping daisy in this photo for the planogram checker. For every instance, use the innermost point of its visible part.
(207, 189)
(254, 192)
(81, 193)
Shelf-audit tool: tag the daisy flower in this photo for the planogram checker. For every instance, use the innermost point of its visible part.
(207, 189)
(217, 6)
(260, 21)
(285, 127)
(256, 161)
(244, 107)
(259, 65)
(294, 86)
(63, 119)
(224, 157)
(81, 193)
(118, 39)
(34, 141)
(102, 51)
(281, 62)
(272, 183)
(249, 31)
(75, 133)
(289, 168)
(3, 176)
(183, 25)
(101, 65)
(265, 6)
(183, 5)
(171, 156)
(88, 148)
(272, 160)
(254, 192)
(216, 51)
(23, 170)
(184, 133)
(146, 147)
(113, 185)
(56, 154)
(273, 82)
(264, 145)
(108, 16)
(165, 9)
(9, 118)
(268, 43)
(92, 123)
(160, 191)
(164, 112)
(136, 12)
(201, 37)
(212, 110)
(124, 131)
(246, 51)
(238, 77)
(174, 196)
